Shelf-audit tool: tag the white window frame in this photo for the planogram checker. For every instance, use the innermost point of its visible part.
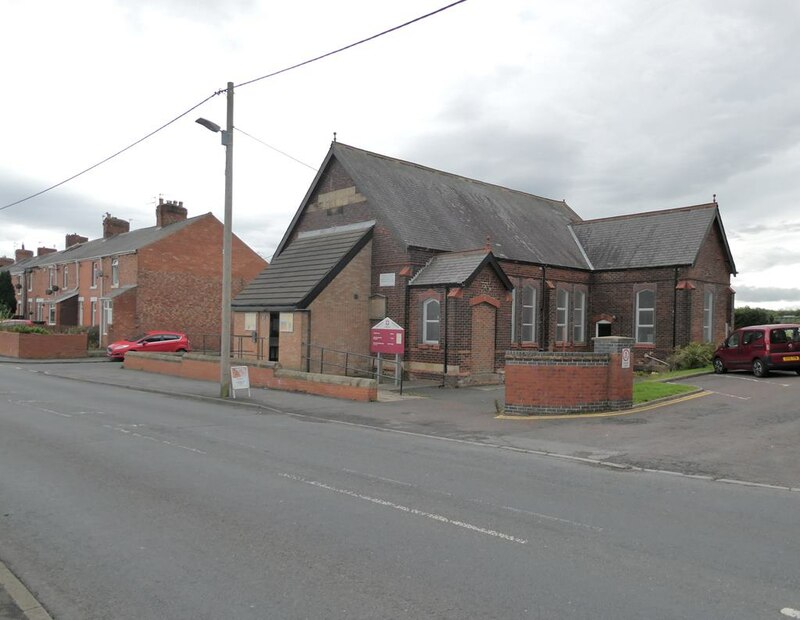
(532, 306)
(53, 277)
(708, 316)
(562, 314)
(115, 272)
(579, 316)
(40, 309)
(513, 315)
(250, 321)
(81, 318)
(51, 314)
(95, 272)
(93, 311)
(29, 282)
(426, 322)
(640, 325)
(65, 279)
(108, 314)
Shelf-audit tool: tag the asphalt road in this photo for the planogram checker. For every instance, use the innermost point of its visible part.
(122, 504)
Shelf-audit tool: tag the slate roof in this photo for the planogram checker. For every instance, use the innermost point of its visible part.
(299, 273)
(124, 243)
(653, 239)
(457, 269)
(431, 209)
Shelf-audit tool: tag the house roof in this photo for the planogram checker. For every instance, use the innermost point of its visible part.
(653, 239)
(297, 275)
(431, 209)
(457, 269)
(124, 243)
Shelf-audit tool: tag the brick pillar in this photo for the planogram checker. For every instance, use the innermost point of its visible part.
(620, 369)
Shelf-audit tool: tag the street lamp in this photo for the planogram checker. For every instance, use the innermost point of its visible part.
(225, 345)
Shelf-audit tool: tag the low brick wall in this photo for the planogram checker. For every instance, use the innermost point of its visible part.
(43, 346)
(539, 383)
(261, 374)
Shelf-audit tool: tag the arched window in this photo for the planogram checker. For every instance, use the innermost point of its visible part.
(430, 322)
(646, 317)
(528, 314)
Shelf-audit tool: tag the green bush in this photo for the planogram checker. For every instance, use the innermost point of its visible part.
(693, 355)
(25, 329)
(94, 337)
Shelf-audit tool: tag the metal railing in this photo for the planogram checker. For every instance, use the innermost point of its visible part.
(242, 346)
(324, 359)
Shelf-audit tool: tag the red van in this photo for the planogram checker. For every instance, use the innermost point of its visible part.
(760, 348)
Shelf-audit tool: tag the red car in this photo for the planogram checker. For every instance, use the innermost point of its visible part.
(760, 348)
(155, 341)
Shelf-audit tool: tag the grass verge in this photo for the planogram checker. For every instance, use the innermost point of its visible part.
(645, 391)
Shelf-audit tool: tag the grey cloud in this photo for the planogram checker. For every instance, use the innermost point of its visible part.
(754, 294)
(196, 10)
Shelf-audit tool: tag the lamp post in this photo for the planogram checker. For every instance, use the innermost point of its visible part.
(225, 344)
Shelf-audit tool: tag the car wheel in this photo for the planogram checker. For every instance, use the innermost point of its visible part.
(759, 370)
(719, 367)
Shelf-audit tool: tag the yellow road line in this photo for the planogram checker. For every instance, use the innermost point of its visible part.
(606, 414)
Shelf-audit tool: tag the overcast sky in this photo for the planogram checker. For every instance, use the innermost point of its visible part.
(618, 107)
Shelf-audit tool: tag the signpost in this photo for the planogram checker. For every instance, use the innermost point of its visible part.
(240, 380)
(388, 337)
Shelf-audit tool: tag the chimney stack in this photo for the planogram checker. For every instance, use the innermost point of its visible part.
(114, 226)
(5, 261)
(169, 212)
(20, 255)
(43, 251)
(74, 239)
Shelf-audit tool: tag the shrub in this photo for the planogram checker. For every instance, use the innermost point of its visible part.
(25, 329)
(94, 337)
(693, 355)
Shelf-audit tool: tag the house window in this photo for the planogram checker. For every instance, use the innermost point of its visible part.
(578, 317)
(51, 316)
(108, 314)
(80, 311)
(95, 275)
(528, 314)
(29, 277)
(250, 321)
(65, 281)
(645, 317)
(53, 277)
(430, 322)
(115, 272)
(708, 316)
(514, 315)
(93, 311)
(39, 310)
(562, 306)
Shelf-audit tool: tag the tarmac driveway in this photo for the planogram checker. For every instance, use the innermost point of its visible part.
(744, 428)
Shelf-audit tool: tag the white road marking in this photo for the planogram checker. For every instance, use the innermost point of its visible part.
(413, 511)
(771, 381)
(150, 438)
(730, 395)
(792, 613)
(481, 502)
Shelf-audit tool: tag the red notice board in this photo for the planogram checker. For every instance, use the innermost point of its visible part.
(387, 337)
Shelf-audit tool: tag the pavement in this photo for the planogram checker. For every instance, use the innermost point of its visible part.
(621, 440)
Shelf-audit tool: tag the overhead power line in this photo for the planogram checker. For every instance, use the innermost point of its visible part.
(274, 149)
(219, 92)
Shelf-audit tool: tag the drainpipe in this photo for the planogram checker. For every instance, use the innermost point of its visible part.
(446, 340)
(543, 335)
(675, 307)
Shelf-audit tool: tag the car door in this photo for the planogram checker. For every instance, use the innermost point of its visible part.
(752, 346)
(729, 354)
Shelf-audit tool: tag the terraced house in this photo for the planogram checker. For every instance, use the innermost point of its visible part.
(470, 270)
(167, 276)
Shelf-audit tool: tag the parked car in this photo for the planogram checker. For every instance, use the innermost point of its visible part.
(154, 341)
(760, 348)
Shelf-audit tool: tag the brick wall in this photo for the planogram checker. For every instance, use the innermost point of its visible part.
(43, 346)
(180, 279)
(538, 383)
(340, 314)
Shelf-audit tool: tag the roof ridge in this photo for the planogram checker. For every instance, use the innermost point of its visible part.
(650, 213)
(450, 174)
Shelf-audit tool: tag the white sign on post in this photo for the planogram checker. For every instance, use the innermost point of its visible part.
(240, 379)
(626, 358)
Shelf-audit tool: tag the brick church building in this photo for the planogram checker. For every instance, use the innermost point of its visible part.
(470, 270)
